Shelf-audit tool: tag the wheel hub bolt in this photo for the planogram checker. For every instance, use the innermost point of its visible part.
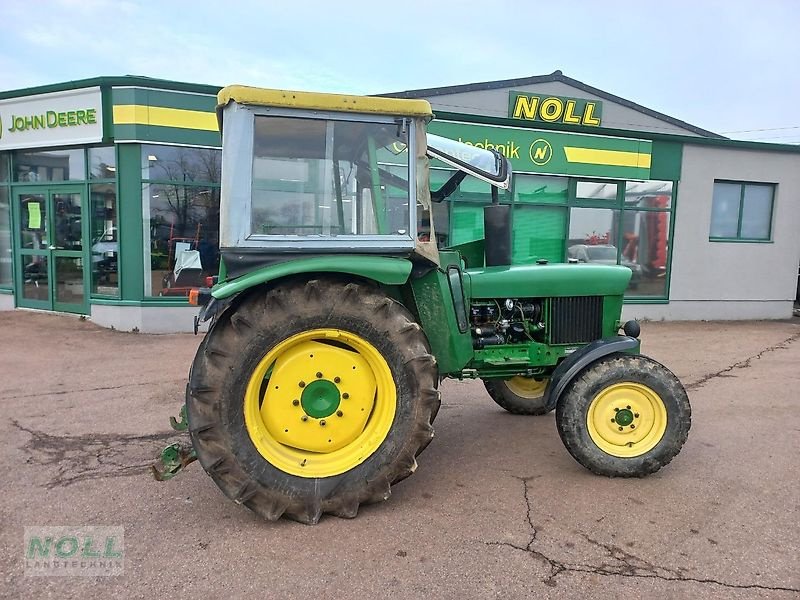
(304, 418)
(295, 402)
(337, 379)
(628, 407)
(319, 374)
(322, 423)
(302, 384)
(345, 395)
(635, 415)
(339, 413)
(615, 410)
(633, 426)
(620, 428)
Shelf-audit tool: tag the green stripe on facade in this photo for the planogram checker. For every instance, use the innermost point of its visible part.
(166, 99)
(171, 135)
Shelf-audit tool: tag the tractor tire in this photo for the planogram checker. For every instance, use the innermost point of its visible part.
(287, 434)
(624, 416)
(519, 395)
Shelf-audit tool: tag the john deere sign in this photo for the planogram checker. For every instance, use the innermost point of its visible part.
(554, 109)
(558, 153)
(72, 117)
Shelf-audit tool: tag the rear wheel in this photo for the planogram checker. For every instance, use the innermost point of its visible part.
(519, 395)
(624, 416)
(313, 398)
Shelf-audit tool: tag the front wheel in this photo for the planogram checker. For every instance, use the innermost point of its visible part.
(624, 416)
(519, 395)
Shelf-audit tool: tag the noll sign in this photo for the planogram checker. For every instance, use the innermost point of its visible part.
(554, 109)
(89, 550)
(60, 118)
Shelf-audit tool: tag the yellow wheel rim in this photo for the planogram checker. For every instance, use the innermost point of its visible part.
(527, 387)
(627, 419)
(320, 403)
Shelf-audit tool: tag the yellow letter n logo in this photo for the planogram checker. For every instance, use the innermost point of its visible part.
(541, 152)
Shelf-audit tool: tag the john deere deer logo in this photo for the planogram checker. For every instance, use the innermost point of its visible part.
(541, 152)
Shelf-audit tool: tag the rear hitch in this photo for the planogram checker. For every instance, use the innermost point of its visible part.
(173, 458)
(176, 456)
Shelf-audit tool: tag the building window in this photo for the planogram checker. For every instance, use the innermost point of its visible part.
(741, 211)
(5, 238)
(632, 229)
(180, 200)
(50, 165)
(105, 241)
(102, 162)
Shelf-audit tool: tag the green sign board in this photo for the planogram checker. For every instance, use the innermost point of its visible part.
(554, 109)
(557, 153)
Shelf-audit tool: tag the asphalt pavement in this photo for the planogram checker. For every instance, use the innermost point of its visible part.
(496, 509)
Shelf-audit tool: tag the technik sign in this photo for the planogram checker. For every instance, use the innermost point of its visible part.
(554, 109)
(55, 119)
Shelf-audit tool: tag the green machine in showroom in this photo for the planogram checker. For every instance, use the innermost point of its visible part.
(338, 311)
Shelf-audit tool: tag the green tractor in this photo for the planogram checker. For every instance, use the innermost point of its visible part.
(336, 315)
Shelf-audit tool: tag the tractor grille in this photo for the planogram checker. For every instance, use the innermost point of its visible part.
(575, 320)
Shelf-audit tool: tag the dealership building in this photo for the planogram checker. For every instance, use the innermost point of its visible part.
(110, 187)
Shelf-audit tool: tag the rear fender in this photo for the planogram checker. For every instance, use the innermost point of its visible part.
(385, 270)
(571, 367)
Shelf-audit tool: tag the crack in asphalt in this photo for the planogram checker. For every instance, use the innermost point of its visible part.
(90, 456)
(627, 563)
(743, 364)
(94, 389)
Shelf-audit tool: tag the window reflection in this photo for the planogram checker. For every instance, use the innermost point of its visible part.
(51, 165)
(105, 242)
(175, 163)
(182, 235)
(5, 238)
(596, 190)
(102, 163)
(3, 166)
(644, 248)
(181, 224)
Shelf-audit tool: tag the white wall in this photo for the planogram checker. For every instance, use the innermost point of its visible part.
(146, 319)
(728, 280)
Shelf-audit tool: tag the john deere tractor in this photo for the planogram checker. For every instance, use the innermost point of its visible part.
(337, 314)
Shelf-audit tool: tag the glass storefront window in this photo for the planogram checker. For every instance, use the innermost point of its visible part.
(102, 163)
(540, 190)
(49, 165)
(176, 163)
(3, 166)
(592, 227)
(105, 240)
(596, 190)
(644, 249)
(538, 233)
(181, 232)
(5, 239)
(648, 194)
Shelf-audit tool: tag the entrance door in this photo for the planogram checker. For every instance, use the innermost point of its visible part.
(51, 271)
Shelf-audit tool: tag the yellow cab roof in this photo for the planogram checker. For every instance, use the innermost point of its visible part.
(243, 94)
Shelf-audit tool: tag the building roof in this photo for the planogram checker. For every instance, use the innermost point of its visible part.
(555, 76)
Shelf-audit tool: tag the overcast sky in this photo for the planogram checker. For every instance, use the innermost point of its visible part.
(724, 66)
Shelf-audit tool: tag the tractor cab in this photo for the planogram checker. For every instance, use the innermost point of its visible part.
(329, 174)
